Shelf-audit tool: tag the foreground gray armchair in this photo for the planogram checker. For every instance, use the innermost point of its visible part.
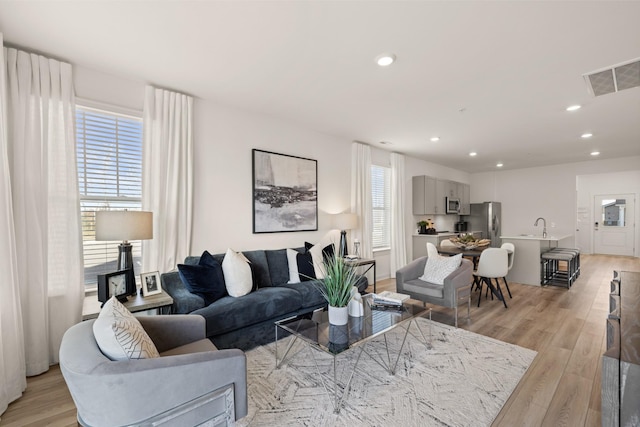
(191, 383)
(456, 287)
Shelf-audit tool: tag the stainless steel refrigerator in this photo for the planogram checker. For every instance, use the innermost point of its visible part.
(486, 217)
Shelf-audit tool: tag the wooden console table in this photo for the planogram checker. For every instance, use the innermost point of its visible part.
(162, 302)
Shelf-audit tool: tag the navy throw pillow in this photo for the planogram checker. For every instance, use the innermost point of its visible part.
(306, 271)
(205, 279)
(327, 251)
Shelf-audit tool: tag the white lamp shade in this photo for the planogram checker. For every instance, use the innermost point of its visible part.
(124, 225)
(345, 221)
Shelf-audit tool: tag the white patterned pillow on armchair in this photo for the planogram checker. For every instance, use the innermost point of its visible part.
(120, 335)
(437, 268)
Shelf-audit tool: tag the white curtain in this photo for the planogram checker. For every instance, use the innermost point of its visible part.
(12, 363)
(398, 247)
(167, 177)
(361, 196)
(45, 201)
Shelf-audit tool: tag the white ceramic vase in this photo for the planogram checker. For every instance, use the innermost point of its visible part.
(338, 315)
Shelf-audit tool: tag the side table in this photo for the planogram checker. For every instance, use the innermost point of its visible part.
(135, 303)
(364, 262)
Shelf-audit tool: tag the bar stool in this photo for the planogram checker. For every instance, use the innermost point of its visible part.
(551, 274)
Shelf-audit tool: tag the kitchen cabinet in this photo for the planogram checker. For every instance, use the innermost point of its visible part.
(429, 195)
(464, 191)
(442, 190)
(424, 191)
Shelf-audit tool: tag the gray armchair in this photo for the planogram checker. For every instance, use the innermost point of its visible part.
(456, 287)
(191, 383)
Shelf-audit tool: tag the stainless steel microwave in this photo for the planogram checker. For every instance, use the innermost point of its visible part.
(452, 204)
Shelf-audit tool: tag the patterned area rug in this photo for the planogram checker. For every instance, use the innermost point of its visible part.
(463, 380)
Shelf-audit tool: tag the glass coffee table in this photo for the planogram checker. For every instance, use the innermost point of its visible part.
(315, 331)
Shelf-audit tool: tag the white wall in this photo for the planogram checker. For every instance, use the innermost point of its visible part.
(109, 89)
(223, 206)
(549, 192)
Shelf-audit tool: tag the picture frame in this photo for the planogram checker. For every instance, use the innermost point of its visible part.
(120, 284)
(285, 193)
(150, 283)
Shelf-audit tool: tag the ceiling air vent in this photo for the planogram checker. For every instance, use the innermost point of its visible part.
(614, 79)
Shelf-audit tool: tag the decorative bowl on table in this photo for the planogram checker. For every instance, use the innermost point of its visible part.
(469, 242)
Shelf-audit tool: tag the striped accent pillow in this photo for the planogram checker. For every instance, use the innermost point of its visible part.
(120, 335)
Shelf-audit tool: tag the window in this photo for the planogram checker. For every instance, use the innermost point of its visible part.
(381, 206)
(109, 151)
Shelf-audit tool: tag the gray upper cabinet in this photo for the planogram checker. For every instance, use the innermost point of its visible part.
(464, 191)
(429, 195)
(424, 190)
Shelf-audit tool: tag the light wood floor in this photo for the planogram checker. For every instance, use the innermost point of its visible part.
(561, 388)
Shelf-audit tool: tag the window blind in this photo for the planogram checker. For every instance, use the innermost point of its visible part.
(381, 206)
(109, 155)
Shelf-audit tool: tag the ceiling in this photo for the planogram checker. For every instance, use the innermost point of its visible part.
(490, 77)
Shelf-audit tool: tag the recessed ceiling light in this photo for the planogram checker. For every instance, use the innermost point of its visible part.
(586, 135)
(595, 153)
(473, 153)
(574, 107)
(385, 143)
(385, 59)
(435, 139)
(499, 165)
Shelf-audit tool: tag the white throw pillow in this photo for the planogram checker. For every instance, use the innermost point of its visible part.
(318, 260)
(237, 273)
(120, 335)
(437, 268)
(292, 260)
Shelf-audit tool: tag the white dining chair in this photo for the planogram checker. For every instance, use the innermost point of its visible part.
(446, 242)
(432, 251)
(511, 253)
(493, 264)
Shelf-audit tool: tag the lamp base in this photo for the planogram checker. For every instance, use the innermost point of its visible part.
(125, 262)
(343, 244)
(125, 257)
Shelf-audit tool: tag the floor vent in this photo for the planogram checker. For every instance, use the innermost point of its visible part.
(614, 79)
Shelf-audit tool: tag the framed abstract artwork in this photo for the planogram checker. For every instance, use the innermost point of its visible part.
(285, 196)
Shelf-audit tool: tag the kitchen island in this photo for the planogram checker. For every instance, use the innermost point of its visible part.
(526, 264)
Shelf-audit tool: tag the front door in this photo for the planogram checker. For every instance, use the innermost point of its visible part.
(614, 225)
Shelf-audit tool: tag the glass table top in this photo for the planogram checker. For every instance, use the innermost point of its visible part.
(315, 329)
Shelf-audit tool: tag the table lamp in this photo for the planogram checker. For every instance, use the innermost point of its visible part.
(344, 222)
(125, 226)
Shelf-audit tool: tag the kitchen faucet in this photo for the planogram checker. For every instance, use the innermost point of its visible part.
(544, 226)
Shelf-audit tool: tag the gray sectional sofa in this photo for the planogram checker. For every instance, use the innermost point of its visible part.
(247, 321)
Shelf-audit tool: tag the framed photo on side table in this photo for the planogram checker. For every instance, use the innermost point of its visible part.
(150, 283)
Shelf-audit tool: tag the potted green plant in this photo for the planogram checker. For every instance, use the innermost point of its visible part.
(339, 279)
(423, 227)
